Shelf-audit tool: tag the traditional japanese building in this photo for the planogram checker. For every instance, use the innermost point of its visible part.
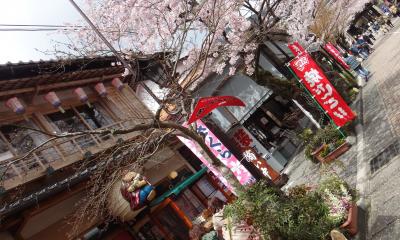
(42, 182)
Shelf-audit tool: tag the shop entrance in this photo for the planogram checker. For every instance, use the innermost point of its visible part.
(274, 125)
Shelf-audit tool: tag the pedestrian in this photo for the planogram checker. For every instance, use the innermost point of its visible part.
(364, 43)
(389, 22)
(370, 35)
(393, 10)
(356, 66)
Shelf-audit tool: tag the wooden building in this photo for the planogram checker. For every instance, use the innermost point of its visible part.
(39, 192)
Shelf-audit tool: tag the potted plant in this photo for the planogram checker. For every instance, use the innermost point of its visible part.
(326, 145)
(329, 152)
(299, 214)
(340, 199)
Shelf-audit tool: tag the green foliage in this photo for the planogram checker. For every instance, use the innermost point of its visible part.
(328, 135)
(280, 86)
(299, 215)
(306, 135)
(332, 183)
(353, 92)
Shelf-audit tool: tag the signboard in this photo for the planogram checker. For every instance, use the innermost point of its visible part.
(221, 152)
(252, 156)
(244, 139)
(296, 48)
(334, 52)
(313, 78)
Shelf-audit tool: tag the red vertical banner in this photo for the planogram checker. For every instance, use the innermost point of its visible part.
(334, 52)
(296, 48)
(314, 79)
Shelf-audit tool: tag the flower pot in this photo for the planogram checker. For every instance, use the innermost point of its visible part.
(352, 220)
(332, 155)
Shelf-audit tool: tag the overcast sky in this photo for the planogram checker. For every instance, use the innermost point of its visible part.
(20, 46)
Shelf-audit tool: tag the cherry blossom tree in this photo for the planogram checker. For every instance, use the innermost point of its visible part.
(197, 37)
(331, 18)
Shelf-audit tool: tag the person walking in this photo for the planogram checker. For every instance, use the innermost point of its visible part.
(356, 66)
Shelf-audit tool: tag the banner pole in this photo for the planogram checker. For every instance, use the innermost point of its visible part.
(315, 101)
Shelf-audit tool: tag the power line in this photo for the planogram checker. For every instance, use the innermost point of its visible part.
(49, 27)
(39, 25)
(35, 29)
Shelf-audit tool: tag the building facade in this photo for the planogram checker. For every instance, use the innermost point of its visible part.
(42, 182)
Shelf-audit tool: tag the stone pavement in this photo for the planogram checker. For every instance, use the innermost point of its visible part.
(377, 144)
(381, 131)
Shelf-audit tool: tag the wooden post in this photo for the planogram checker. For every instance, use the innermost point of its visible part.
(181, 214)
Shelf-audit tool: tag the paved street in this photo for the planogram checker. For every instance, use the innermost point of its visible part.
(381, 129)
(376, 144)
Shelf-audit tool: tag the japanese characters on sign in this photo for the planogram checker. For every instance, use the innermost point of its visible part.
(251, 155)
(221, 152)
(296, 48)
(334, 52)
(244, 139)
(321, 89)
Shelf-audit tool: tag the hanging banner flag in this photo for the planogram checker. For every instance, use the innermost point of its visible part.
(205, 105)
(221, 152)
(296, 48)
(321, 89)
(334, 52)
(252, 156)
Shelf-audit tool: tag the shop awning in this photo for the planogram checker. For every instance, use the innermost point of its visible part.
(178, 188)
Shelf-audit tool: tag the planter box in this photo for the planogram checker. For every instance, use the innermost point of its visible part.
(333, 155)
(352, 220)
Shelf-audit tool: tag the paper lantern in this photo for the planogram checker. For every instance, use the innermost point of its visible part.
(15, 105)
(101, 89)
(81, 94)
(53, 99)
(173, 175)
(116, 82)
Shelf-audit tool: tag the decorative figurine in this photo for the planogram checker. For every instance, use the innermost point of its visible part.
(136, 190)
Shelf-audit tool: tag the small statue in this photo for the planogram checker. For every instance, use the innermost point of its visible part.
(136, 190)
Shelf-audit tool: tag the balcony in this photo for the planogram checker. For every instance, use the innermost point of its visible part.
(58, 154)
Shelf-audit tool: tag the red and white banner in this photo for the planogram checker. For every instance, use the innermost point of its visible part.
(321, 89)
(334, 52)
(206, 104)
(296, 48)
(221, 152)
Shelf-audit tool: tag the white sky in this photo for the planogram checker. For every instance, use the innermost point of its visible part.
(20, 46)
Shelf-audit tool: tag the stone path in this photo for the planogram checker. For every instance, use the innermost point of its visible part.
(381, 129)
(377, 140)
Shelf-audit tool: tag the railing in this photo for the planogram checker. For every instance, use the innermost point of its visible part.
(55, 155)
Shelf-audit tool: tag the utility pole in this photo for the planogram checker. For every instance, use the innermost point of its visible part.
(110, 46)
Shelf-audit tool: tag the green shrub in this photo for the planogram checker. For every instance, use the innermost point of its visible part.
(328, 135)
(299, 215)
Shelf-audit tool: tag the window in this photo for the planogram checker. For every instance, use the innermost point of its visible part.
(16, 141)
(70, 122)
(82, 118)
(95, 116)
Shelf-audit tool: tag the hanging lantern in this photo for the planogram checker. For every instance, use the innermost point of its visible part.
(116, 82)
(53, 99)
(100, 89)
(15, 105)
(82, 96)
